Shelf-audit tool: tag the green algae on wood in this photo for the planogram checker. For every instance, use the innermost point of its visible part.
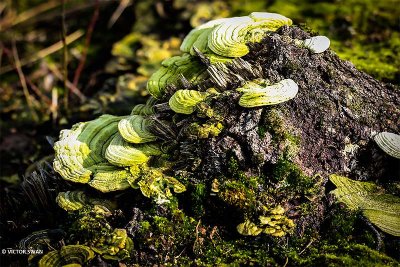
(381, 209)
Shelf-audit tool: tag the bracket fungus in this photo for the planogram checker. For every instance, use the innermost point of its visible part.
(316, 44)
(228, 37)
(76, 200)
(70, 254)
(82, 147)
(381, 209)
(185, 101)
(145, 109)
(40, 239)
(274, 223)
(172, 70)
(135, 129)
(256, 93)
(389, 142)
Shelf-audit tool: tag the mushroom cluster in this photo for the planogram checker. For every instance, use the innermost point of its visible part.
(115, 153)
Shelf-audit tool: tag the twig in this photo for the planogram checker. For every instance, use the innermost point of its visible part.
(123, 4)
(70, 86)
(309, 244)
(64, 55)
(38, 92)
(87, 44)
(45, 52)
(286, 262)
(11, 21)
(23, 82)
(33, 12)
(54, 103)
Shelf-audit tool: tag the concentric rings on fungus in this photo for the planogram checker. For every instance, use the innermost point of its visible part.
(185, 101)
(83, 146)
(124, 154)
(135, 129)
(389, 142)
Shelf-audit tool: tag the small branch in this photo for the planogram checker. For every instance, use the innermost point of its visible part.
(13, 20)
(123, 4)
(307, 246)
(377, 234)
(87, 44)
(45, 52)
(23, 82)
(70, 86)
(42, 96)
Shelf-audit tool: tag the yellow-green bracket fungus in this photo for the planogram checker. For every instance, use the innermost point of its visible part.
(185, 101)
(257, 93)
(274, 223)
(381, 209)
(71, 254)
(135, 129)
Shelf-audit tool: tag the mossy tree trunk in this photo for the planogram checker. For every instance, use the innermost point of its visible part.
(326, 129)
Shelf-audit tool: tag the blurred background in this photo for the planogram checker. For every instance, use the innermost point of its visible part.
(67, 61)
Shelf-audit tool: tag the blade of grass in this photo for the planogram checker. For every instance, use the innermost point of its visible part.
(35, 11)
(45, 52)
(70, 86)
(123, 4)
(23, 82)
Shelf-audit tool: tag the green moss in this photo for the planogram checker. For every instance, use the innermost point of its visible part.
(291, 177)
(283, 133)
(362, 31)
(198, 196)
(145, 226)
(350, 255)
(237, 194)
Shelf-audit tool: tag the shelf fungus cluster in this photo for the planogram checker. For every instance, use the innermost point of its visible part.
(76, 200)
(380, 208)
(189, 94)
(218, 41)
(274, 223)
(105, 153)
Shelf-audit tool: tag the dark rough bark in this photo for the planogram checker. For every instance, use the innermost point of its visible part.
(334, 116)
(337, 105)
